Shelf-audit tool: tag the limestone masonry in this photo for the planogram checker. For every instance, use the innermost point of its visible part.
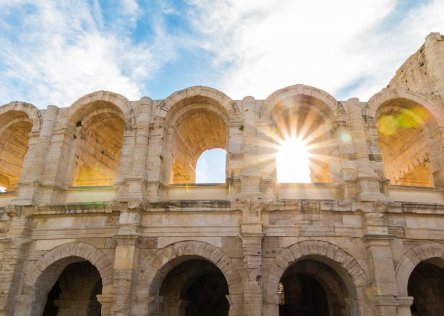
(101, 213)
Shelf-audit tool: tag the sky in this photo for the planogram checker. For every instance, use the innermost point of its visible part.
(54, 52)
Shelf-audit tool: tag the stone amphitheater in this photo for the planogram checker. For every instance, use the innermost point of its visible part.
(100, 212)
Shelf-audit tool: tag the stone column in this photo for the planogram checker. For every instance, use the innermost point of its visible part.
(367, 180)
(234, 158)
(106, 300)
(348, 171)
(15, 246)
(34, 164)
(58, 163)
(126, 258)
(266, 160)
(378, 240)
(404, 303)
(132, 183)
(252, 235)
(250, 176)
(157, 163)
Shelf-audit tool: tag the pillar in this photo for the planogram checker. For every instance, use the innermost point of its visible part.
(14, 254)
(132, 178)
(249, 175)
(126, 258)
(35, 159)
(384, 288)
(348, 181)
(367, 180)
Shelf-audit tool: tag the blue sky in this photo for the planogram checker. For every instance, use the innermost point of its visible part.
(53, 52)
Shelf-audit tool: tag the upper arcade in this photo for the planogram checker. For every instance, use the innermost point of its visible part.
(105, 147)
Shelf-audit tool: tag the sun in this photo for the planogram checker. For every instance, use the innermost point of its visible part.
(293, 161)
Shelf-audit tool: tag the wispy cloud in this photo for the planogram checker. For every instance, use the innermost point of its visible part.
(54, 52)
(346, 47)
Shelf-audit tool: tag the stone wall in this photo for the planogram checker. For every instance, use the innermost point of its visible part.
(152, 242)
(423, 72)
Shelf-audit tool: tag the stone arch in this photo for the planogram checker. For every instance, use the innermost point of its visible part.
(165, 259)
(406, 125)
(77, 109)
(196, 119)
(40, 275)
(300, 89)
(232, 110)
(320, 250)
(94, 128)
(390, 94)
(77, 249)
(27, 108)
(411, 259)
(311, 115)
(18, 122)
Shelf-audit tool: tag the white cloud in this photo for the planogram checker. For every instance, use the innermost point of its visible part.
(63, 51)
(53, 52)
(327, 44)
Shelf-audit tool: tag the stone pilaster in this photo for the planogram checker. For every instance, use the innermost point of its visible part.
(106, 301)
(126, 258)
(251, 228)
(249, 175)
(252, 235)
(348, 179)
(367, 180)
(384, 288)
(404, 303)
(14, 253)
(157, 163)
(58, 163)
(133, 180)
(34, 164)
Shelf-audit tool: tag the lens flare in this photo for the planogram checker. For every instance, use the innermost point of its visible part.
(293, 163)
(414, 117)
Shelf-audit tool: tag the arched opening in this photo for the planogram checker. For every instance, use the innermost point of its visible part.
(15, 127)
(98, 136)
(426, 285)
(211, 166)
(68, 287)
(196, 124)
(194, 287)
(303, 132)
(311, 287)
(405, 133)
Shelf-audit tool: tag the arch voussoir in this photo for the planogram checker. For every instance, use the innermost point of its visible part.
(81, 250)
(160, 266)
(316, 248)
(411, 259)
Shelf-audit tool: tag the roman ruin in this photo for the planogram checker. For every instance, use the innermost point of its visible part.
(101, 213)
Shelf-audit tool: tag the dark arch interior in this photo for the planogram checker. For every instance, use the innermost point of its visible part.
(75, 291)
(426, 285)
(312, 288)
(195, 288)
(303, 295)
